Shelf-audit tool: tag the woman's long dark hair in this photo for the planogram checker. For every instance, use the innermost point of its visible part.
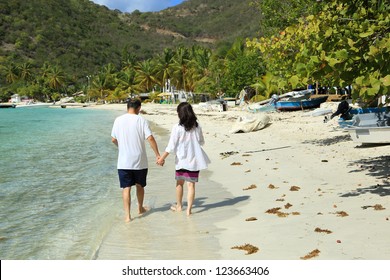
(187, 116)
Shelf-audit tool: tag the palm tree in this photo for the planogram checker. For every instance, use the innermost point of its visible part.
(11, 73)
(101, 86)
(25, 71)
(164, 66)
(55, 77)
(145, 75)
(126, 81)
(200, 66)
(180, 67)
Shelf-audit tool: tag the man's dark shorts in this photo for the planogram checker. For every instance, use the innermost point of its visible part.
(128, 178)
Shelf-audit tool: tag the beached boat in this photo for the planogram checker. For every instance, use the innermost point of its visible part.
(370, 128)
(351, 114)
(270, 104)
(32, 104)
(6, 105)
(295, 105)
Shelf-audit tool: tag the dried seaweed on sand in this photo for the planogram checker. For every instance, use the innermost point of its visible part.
(253, 186)
(327, 231)
(342, 214)
(312, 254)
(250, 249)
(376, 207)
(273, 210)
(251, 219)
(272, 187)
(295, 188)
(288, 205)
(236, 163)
(227, 154)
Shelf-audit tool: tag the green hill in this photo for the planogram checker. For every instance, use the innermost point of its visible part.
(81, 36)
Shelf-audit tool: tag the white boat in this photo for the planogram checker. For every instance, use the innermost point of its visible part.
(370, 128)
(32, 104)
(370, 135)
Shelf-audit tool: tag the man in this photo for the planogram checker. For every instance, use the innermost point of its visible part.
(129, 134)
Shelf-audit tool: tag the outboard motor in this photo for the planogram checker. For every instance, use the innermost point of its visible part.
(343, 110)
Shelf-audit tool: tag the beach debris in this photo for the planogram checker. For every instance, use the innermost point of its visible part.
(282, 214)
(295, 213)
(250, 249)
(312, 254)
(264, 150)
(236, 163)
(342, 214)
(327, 231)
(324, 160)
(338, 241)
(288, 205)
(277, 212)
(376, 207)
(253, 186)
(280, 199)
(250, 219)
(247, 171)
(273, 210)
(228, 154)
(295, 188)
(246, 155)
(272, 187)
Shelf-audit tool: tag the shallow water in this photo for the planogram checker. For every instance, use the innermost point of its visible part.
(60, 196)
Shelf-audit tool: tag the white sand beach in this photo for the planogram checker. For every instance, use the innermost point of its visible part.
(310, 192)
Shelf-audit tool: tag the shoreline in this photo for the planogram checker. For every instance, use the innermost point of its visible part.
(313, 193)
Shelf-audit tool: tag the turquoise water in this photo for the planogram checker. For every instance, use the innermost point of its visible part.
(60, 195)
(57, 182)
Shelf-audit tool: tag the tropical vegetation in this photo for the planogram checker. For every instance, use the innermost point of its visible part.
(333, 43)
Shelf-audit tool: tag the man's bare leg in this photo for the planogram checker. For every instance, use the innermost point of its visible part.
(140, 199)
(190, 197)
(127, 203)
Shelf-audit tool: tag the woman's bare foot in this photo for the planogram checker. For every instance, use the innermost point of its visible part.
(127, 219)
(176, 208)
(189, 212)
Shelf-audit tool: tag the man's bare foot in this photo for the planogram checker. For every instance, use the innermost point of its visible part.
(176, 208)
(143, 210)
(189, 212)
(127, 219)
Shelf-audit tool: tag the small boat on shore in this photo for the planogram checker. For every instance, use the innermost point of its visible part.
(370, 128)
(295, 105)
(276, 101)
(33, 104)
(7, 105)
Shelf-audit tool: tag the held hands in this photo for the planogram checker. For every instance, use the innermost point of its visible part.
(160, 161)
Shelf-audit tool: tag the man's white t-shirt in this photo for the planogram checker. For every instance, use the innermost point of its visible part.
(131, 131)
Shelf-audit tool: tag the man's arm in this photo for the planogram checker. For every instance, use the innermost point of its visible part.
(153, 145)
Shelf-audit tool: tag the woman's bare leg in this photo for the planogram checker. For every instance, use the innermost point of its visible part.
(179, 196)
(190, 197)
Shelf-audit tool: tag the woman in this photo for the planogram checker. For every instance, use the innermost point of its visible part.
(185, 141)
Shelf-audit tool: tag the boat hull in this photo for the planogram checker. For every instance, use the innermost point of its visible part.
(4, 106)
(300, 104)
(370, 135)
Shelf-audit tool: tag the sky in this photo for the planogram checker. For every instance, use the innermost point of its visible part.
(141, 5)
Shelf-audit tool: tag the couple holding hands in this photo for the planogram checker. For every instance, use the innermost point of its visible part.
(129, 134)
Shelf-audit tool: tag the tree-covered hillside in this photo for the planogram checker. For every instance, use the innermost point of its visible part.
(82, 36)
